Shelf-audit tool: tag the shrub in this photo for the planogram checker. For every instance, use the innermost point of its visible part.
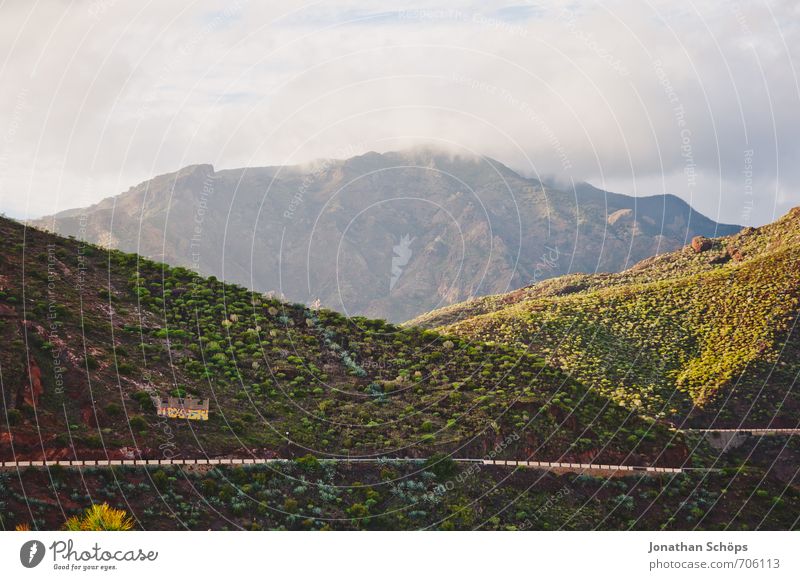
(124, 368)
(14, 416)
(100, 517)
(137, 423)
(160, 480)
(144, 400)
(358, 510)
(441, 465)
(308, 462)
(91, 363)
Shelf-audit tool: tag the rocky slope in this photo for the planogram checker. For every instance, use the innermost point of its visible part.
(383, 235)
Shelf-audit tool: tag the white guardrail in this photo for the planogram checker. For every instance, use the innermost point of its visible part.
(499, 462)
(745, 430)
(234, 461)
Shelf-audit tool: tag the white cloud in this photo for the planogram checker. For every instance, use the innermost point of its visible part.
(103, 94)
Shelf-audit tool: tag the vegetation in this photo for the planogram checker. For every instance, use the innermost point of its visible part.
(583, 370)
(707, 335)
(284, 379)
(100, 517)
(402, 495)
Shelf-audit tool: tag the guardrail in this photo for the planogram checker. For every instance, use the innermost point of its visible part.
(754, 431)
(582, 466)
(252, 461)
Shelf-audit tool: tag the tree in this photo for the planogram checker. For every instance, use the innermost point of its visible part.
(100, 517)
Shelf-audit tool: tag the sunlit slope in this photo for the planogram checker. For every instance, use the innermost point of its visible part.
(712, 326)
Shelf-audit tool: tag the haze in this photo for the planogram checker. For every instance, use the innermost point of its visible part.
(696, 99)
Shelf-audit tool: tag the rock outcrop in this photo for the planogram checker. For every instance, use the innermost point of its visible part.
(701, 244)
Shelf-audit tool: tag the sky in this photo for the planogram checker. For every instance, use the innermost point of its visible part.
(698, 99)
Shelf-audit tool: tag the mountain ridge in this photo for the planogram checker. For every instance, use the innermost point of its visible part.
(332, 230)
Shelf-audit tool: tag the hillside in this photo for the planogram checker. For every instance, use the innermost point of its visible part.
(90, 335)
(383, 235)
(303, 495)
(706, 333)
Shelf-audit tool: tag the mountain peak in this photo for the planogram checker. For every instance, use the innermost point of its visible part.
(198, 168)
(329, 230)
(421, 155)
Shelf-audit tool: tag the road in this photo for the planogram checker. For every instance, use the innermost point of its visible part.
(757, 431)
(548, 465)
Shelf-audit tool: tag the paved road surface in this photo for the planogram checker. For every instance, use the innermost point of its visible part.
(746, 431)
(549, 465)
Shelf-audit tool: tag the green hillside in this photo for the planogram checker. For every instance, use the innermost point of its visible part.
(89, 335)
(707, 332)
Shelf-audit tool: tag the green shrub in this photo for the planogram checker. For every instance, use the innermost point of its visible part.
(137, 423)
(441, 465)
(14, 416)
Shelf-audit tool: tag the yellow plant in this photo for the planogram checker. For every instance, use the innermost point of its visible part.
(100, 517)
(24, 527)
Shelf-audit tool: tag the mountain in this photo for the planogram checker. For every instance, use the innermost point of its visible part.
(707, 334)
(91, 336)
(383, 235)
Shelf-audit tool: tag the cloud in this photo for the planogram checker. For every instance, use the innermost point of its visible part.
(638, 97)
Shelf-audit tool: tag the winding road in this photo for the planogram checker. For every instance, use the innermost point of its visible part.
(745, 430)
(548, 465)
